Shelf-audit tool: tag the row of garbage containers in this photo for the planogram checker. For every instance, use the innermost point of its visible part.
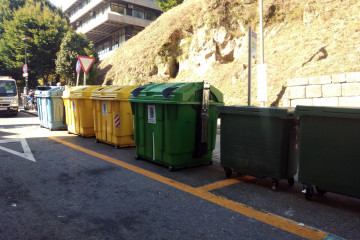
(175, 124)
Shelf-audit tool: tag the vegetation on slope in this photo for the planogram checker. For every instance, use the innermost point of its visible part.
(207, 40)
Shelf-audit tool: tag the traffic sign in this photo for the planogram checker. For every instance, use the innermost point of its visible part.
(86, 63)
(78, 67)
(25, 68)
(253, 44)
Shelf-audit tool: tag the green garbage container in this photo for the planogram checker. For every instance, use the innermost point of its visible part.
(258, 141)
(175, 123)
(329, 155)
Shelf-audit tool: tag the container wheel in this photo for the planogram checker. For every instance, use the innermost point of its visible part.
(96, 141)
(171, 168)
(116, 146)
(291, 182)
(137, 157)
(320, 191)
(309, 192)
(228, 172)
(275, 184)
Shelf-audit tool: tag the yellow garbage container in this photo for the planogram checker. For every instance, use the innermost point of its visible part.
(78, 108)
(113, 119)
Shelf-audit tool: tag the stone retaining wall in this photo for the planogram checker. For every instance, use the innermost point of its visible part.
(341, 90)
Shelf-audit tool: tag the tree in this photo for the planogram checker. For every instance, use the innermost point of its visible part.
(44, 27)
(166, 5)
(6, 9)
(75, 44)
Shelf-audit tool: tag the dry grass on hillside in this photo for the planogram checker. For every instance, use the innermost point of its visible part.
(136, 57)
(302, 38)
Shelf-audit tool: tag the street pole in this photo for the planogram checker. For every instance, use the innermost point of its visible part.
(249, 69)
(26, 78)
(262, 61)
(261, 33)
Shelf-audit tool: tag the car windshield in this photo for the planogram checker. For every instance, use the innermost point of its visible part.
(7, 88)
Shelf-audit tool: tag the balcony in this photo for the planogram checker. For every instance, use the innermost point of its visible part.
(94, 3)
(102, 25)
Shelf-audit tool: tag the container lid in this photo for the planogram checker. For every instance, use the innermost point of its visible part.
(112, 93)
(175, 93)
(282, 113)
(79, 92)
(339, 112)
(51, 92)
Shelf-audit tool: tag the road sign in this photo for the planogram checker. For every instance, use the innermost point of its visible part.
(25, 74)
(25, 68)
(262, 83)
(253, 44)
(86, 63)
(78, 67)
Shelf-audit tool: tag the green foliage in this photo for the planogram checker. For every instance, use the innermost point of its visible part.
(75, 44)
(44, 28)
(6, 10)
(166, 5)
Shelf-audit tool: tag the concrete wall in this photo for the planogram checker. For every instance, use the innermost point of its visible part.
(341, 90)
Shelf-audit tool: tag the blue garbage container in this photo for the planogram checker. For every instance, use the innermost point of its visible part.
(51, 110)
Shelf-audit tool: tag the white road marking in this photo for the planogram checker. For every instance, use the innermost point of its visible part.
(27, 152)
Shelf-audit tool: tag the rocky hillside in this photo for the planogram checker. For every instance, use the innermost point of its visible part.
(208, 40)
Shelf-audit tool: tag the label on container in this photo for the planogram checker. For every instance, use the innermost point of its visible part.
(104, 108)
(152, 114)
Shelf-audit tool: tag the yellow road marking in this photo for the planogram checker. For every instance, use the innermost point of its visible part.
(219, 184)
(276, 221)
(224, 183)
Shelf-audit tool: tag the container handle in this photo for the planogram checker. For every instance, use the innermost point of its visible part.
(137, 91)
(166, 93)
(204, 112)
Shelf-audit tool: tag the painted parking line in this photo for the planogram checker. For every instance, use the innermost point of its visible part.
(225, 183)
(270, 219)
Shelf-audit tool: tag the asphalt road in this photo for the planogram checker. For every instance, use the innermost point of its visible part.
(68, 187)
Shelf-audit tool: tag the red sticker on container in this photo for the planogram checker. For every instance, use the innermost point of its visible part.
(117, 120)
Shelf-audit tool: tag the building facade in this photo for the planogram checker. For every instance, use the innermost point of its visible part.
(109, 23)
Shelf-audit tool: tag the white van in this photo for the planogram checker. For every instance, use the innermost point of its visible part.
(9, 102)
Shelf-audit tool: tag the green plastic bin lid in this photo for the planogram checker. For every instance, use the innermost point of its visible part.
(282, 113)
(339, 112)
(175, 93)
(53, 92)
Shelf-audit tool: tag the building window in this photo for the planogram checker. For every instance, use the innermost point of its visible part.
(103, 47)
(138, 12)
(150, 16)
(119, 8)
(118, 38)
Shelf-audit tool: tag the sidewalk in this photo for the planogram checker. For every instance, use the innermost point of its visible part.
(31, 112)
